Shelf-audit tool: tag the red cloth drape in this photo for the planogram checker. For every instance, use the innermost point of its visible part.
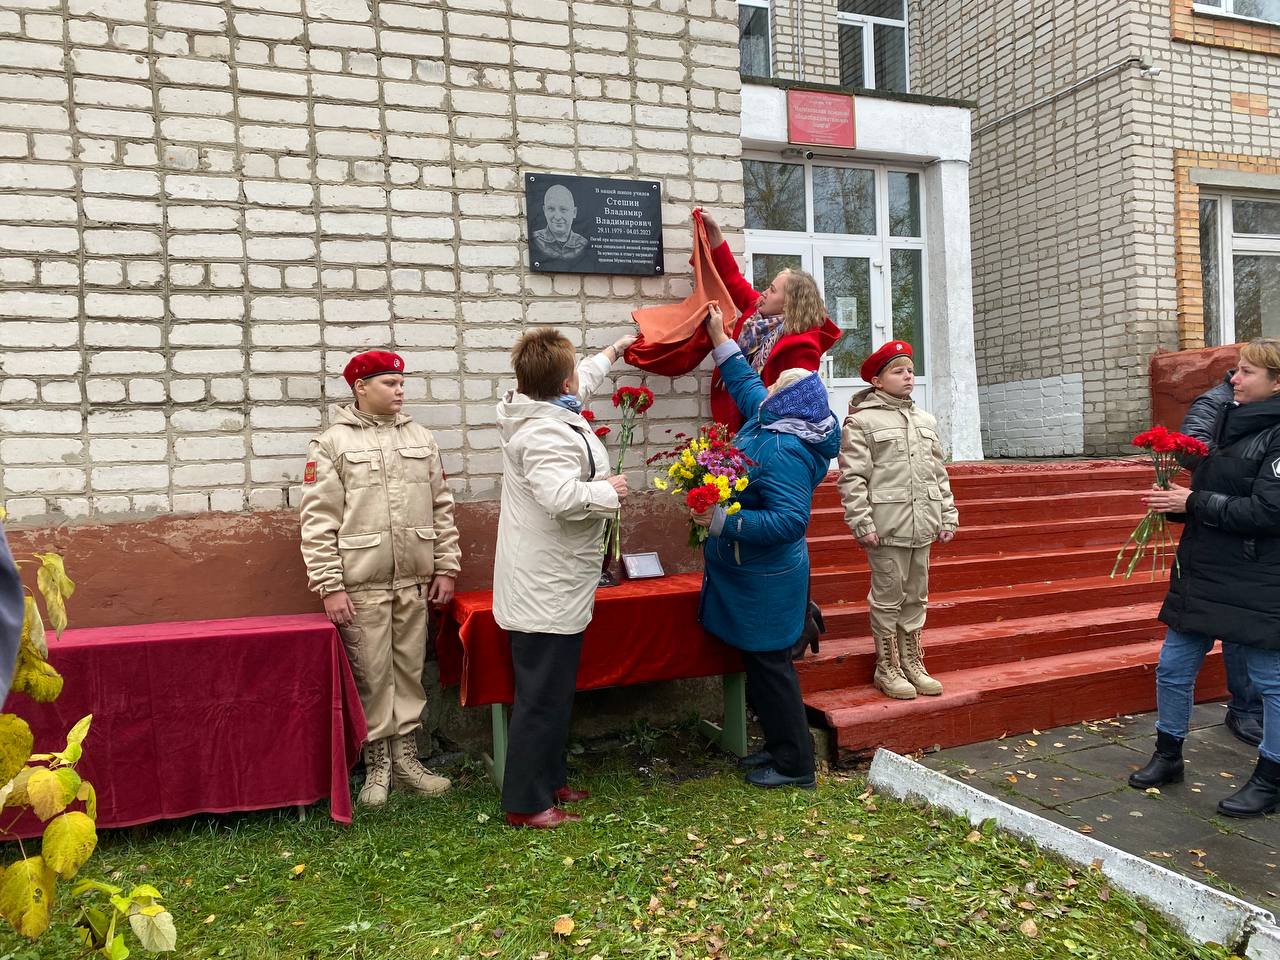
(672, 338)
(642, 631)
(205, 716)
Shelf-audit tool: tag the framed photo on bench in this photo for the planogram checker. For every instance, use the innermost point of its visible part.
(640, 566)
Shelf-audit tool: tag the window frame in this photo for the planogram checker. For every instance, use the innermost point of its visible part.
(1231, 244)
(1227, 11)
(868, 25)
(881, 242)
(767, 7)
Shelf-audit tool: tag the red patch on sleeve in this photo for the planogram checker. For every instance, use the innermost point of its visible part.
(309, 475)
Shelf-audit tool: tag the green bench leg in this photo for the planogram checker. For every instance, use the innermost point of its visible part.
(732, 734)
(497, 764)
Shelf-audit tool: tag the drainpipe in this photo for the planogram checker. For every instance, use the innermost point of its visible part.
(1148, 71)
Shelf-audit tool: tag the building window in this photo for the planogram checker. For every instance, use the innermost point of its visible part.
(859, 229)
(753, 38)
(1240, 267)
(1268, 11)
(873, 44)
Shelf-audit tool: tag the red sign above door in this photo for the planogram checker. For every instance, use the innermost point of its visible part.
(820, 119)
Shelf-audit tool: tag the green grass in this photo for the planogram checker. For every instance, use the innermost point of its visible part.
(664, 866)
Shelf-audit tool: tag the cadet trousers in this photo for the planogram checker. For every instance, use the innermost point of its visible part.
(386, 646)
(899, 593)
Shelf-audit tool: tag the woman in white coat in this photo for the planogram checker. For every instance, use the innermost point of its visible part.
(556, 496)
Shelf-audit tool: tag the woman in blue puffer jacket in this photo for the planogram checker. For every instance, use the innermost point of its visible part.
(756, 581)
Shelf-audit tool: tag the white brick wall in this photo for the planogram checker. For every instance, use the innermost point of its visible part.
(206, 208)
(1033, 418)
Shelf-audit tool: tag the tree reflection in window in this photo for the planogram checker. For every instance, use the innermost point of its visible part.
(774, 195)
(906, 273)
(844, 201)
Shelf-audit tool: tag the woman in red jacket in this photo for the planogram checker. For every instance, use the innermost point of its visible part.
(785, 326)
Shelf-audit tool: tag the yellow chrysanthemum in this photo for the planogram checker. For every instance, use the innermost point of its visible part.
(672, 470)
(740, 484)
(732, 508)
(660, 483)
(708, 478)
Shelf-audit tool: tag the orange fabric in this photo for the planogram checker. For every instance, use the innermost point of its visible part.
(672, 338)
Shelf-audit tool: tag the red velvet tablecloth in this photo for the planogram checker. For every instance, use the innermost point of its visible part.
(642, 631)
(205, 716)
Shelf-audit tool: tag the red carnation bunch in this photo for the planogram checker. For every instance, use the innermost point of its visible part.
(1152, 533)
(632, 401)
(703, 498)
(638, 399)
(590, 417)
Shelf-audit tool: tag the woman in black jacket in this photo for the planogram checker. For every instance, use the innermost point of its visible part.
(1226, 583)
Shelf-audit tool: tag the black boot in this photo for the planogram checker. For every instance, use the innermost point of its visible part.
(1165, 765)
(1259, 796)
(1244, 728)
(813, 626)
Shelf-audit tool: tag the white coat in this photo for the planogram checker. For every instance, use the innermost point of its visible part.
(555, 502)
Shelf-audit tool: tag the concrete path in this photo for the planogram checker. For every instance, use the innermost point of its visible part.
(1076, 776)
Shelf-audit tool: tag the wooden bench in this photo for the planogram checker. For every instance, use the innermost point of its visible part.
(642, 631)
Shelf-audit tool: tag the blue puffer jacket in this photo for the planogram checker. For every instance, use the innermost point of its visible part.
(756, 582)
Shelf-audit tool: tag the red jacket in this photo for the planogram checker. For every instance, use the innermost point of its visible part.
(802, 350)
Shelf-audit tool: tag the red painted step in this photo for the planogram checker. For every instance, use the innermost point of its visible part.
(1013, 698)
(849, 661)
(831, 584)
(1026, 628)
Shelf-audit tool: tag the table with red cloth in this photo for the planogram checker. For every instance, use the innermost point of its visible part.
(642, 631)
(205, 716)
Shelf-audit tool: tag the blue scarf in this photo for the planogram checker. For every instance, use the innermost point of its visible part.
(568, 401)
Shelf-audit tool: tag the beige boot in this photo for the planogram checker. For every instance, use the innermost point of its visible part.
(912, 659)
(888, 677)
(377, 774)
(410, 774)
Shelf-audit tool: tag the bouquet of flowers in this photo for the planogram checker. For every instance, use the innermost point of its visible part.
(632, 401)
(707, 470)
(1152, 532)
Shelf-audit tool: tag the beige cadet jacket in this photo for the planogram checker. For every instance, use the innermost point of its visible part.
(377, 513)
(893, 477)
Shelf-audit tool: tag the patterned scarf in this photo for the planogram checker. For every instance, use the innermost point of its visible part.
(757, 337)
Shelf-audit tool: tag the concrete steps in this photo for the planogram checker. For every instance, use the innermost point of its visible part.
(1027, 630)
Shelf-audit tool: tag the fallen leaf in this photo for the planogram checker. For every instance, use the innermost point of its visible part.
(1155, 791)
(973, 837)
(1085, 828)
(1029, 928)
(1223, 773)
(1011, 778)
(563, 926)
(861, 891)
(1104, 894)
(1026, 905)
(297, 870)
(210, 918)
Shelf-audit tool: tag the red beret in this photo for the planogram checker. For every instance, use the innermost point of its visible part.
(372, 364)
(874, 364)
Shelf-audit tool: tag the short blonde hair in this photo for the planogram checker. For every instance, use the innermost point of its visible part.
(543, 360)
(802, 303)
(1263, 352)
(894, 364)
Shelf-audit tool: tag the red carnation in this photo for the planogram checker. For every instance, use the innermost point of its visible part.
(588, 416)
(602, 432)
(703, 498)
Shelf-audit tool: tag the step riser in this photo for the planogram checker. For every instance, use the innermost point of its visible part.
(844, 550)
(971, 574)
(1034, 707)
(854, 669)
(995, 487)
(852, 620)
(827, 521)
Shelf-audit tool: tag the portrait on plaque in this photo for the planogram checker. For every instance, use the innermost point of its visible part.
(593, 225)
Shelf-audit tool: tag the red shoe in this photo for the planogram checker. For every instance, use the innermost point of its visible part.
(569, 795)
(547, 819)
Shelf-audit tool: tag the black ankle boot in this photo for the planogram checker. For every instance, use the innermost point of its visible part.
(1165, 765)
(814, 625)
(1259, 796)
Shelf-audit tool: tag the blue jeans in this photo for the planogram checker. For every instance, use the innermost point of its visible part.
(1245, 701)
(1180, 660)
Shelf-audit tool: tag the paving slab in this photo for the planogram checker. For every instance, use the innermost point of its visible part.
(1081, 782)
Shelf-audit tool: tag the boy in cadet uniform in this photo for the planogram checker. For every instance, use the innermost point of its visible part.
(379, 542)
(897, 501)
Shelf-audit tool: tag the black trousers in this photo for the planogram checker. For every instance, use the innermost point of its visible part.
(773, 690)
(546, 673)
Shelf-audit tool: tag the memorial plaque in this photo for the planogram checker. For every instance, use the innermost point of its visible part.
(593, 225)
(820, 119)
